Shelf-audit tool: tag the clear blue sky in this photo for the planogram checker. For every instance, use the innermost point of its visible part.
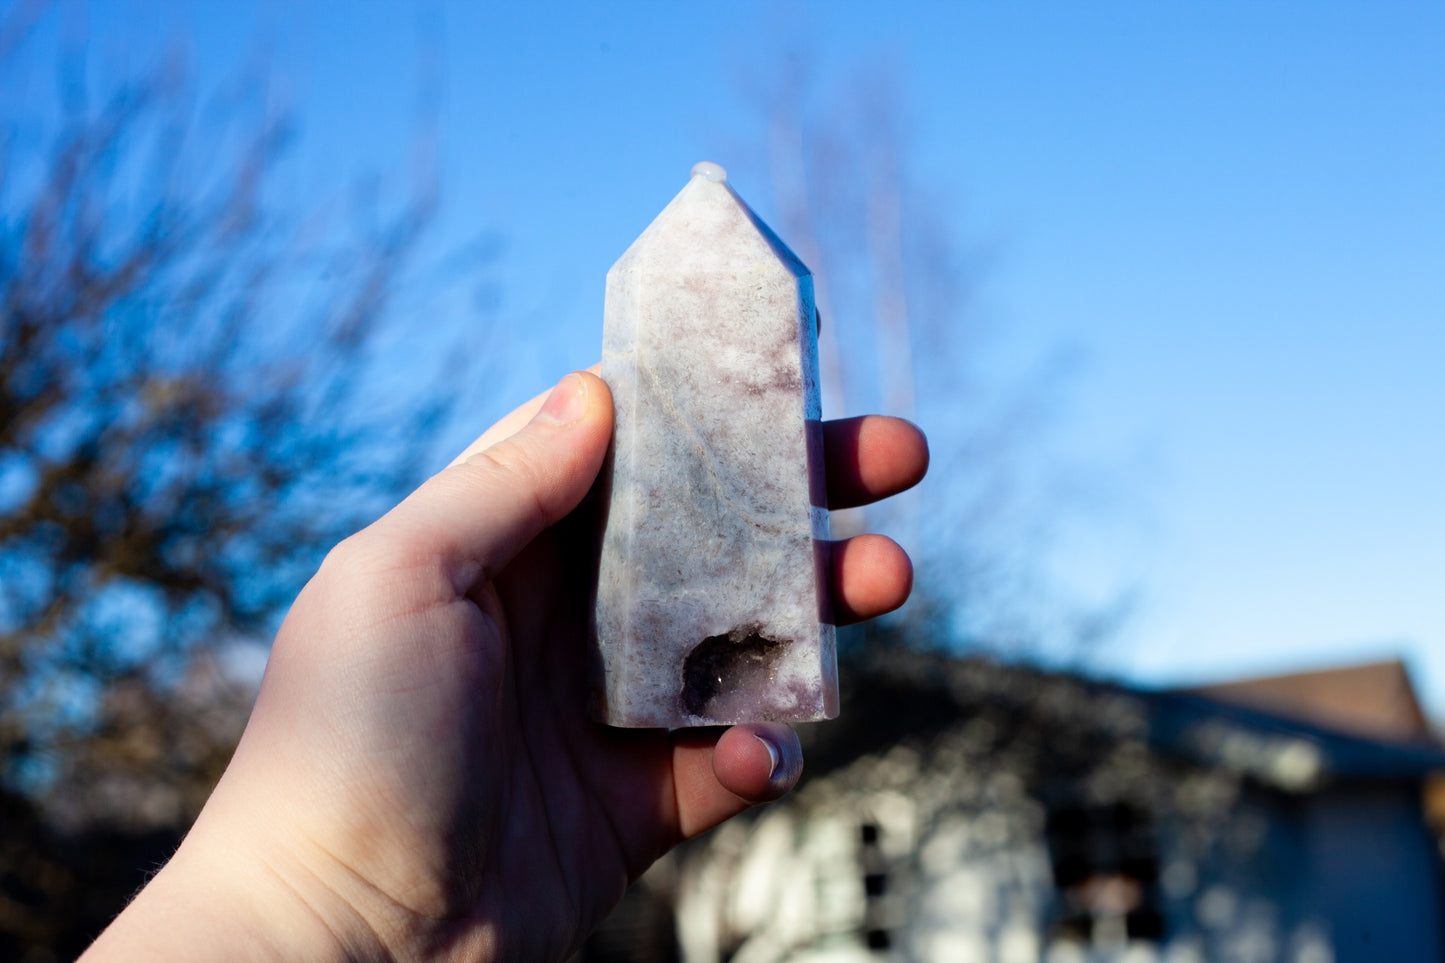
(1235, 212)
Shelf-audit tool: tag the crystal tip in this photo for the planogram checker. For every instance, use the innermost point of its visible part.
(710, 171)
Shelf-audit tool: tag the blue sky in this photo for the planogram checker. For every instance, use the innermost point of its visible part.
(1233, 214)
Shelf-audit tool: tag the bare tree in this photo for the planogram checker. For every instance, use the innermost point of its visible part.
(188, 420)
(895, 281)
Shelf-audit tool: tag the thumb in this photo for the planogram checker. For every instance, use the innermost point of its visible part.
(477, 514)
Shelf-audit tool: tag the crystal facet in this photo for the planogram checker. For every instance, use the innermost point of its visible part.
(711, 602)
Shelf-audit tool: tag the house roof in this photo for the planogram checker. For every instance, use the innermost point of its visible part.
(907, 695)
(1374, 699)
(1282, 749)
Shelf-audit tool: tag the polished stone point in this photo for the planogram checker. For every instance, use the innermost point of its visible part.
(711, 603)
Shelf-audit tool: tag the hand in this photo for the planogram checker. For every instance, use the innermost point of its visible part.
(418, 778)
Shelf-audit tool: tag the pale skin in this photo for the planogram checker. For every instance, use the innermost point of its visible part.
(418, 780)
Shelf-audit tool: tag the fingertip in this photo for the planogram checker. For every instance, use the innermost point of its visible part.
(758, 762)
(592, 375)
(871, 575)
(871, 457)
(599, 398)
(568, 401)
(586, 383)
(899, 450)
(579, 394)
(921, 454)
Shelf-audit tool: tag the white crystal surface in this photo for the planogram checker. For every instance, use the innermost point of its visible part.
(711, 604)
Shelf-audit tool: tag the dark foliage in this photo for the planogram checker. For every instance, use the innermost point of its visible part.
(186, 424)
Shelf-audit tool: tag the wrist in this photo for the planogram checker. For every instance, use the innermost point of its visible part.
(221, 899)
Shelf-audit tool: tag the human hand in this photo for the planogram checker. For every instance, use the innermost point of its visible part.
(419, 779)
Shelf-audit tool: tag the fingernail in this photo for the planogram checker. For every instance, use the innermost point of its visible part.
(775, 756)
(567, 402)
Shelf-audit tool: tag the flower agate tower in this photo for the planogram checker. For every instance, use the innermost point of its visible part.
(711, 603)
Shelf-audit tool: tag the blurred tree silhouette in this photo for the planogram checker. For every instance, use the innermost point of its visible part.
(902, 333)
(185, 427)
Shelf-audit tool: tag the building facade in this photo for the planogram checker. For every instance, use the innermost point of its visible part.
(963, 810)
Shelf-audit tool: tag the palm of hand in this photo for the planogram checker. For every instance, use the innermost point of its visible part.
(476, 797)
(596, 805)
(419, 747)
